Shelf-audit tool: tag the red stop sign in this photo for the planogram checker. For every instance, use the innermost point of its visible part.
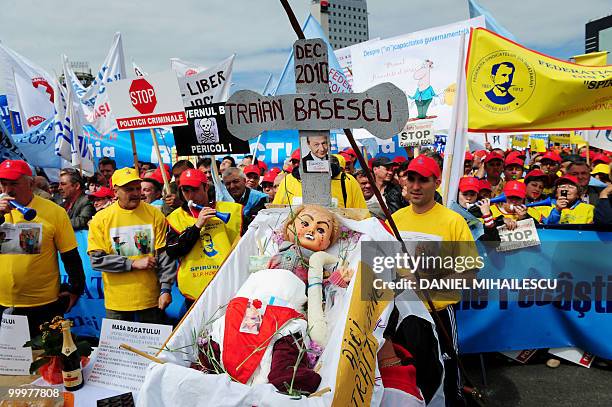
(142, 96)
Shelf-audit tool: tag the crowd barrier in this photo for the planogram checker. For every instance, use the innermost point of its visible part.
(576, 313)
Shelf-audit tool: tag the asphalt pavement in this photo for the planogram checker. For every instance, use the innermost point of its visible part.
(511, 384)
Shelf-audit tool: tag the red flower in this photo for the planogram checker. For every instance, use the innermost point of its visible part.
(257, 304)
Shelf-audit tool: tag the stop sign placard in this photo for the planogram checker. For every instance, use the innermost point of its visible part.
(142, 96)
(147, 102)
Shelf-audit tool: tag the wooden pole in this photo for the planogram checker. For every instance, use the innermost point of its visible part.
(141, 353)
(12, 121)
(588, 155)
(134, 153)
(161, 163)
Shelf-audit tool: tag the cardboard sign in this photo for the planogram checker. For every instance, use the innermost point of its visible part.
(147, 102)
(417, 134)
(521, 356)
(575, 355)
(525, 235)
(209, 86)
(207, 133)
(119, 369)
(382, 110)
(14, 358)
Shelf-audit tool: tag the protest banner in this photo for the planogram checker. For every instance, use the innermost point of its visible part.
(208, 86)
(15, 359)
(11, 119)
(416, 134)
(513, 88)
(423, 64)
(148, 102)
(207, 133)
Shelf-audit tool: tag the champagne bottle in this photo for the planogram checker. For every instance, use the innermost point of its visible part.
(71, 361)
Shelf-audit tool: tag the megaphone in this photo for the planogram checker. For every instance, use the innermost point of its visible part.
(498, 199)
(545, 202)
(28, 213)
(224, 216)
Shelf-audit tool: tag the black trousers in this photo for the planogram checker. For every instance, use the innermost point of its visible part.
(37, 315)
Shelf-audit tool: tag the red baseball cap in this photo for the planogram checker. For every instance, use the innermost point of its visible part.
(157, 174)
(193, 178)
(399, 159)
(469, 156)
(425, 166)
(469, 184)
(485, 185)
(602, 158)
(513, 160)
(515, 188)
(516, 153)
(567, 179)
(534, 174)
(251, 169)
(296, 155)
(553, 156)
(493, 156)
(276, 170)
(480, 153)
(270, 177)
(262, 165)
(14, 169)
(102, 192)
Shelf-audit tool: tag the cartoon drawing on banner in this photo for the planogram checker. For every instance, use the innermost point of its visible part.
(315, 154)
(424, 94)
(132, 240)
(21, 238)
(206, 130)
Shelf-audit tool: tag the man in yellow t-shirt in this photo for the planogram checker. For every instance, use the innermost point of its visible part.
(197, 238)
(29, 269)
(127, 242)
(425, 216)
(345, 189)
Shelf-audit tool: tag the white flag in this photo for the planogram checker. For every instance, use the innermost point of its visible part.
(185, 68)
(95, 98)
(599, 139)
(70, 133)
(209, 86)
(34, 106)
(34, 93)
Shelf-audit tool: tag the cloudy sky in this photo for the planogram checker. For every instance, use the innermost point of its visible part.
(258, 31)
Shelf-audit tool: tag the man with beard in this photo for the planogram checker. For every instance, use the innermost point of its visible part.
(502, 75)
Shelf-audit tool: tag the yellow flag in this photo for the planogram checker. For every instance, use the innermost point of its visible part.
(538, 145)
(512, 88)
(593, 58)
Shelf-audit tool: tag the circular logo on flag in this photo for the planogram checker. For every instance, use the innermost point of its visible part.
(502, 82)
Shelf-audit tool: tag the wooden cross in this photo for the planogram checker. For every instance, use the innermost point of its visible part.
(313, 110)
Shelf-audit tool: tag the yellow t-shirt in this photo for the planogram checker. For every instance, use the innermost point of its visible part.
(290, 187)
(29, 269)
(447, 225)
(581, 214)
(200, 265)
(135, 234)
(534, 212)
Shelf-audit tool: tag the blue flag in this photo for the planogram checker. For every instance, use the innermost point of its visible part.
(38, 145)
(491, 23)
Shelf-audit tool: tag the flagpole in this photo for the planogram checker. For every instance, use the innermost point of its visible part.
(161, 163)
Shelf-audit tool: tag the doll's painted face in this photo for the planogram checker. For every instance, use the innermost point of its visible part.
(314, 229)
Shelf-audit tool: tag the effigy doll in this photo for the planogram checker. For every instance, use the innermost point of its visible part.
(263, 334)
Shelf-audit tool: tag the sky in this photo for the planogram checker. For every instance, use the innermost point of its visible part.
(258, 31)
